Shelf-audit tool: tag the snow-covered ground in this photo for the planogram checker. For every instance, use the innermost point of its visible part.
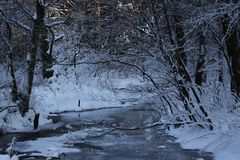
(55, 146)
(224, 144)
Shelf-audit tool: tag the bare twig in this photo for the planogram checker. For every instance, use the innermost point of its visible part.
(25, 10)
(58, 22)
(8, 107)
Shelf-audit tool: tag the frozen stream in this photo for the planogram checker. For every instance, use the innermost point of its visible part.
(92, 136)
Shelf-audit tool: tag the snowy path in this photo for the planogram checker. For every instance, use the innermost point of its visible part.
(88, 135)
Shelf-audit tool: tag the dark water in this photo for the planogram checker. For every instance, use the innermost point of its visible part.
(119, 144)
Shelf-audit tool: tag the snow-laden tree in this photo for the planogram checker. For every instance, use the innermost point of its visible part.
(39, 42)
(193, 41)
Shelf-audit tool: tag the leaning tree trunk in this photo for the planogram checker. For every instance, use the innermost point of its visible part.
(181, 57)
(38, 29)
(181, 60)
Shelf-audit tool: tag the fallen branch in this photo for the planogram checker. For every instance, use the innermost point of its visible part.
(157, 124)
(140, 128)
(100, 135)
(85, 110)
(135, 128)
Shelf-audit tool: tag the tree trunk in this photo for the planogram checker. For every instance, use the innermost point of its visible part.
(233, 50)
(200, 76)
(36, 121)
(220, 74)
(38, 29)
(181, 60)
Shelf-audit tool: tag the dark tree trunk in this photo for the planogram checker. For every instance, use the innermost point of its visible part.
(181, 58)
(38, 29)
(200, 76)
(233, 50)
(36, 121)
(220, 75)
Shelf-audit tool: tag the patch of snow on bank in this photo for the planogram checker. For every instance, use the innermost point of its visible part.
(55, 146)
(224, 146)
(12, 121)
(47, 147)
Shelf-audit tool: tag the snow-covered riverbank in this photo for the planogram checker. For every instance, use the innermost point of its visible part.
(225, 145)
(65, 92)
